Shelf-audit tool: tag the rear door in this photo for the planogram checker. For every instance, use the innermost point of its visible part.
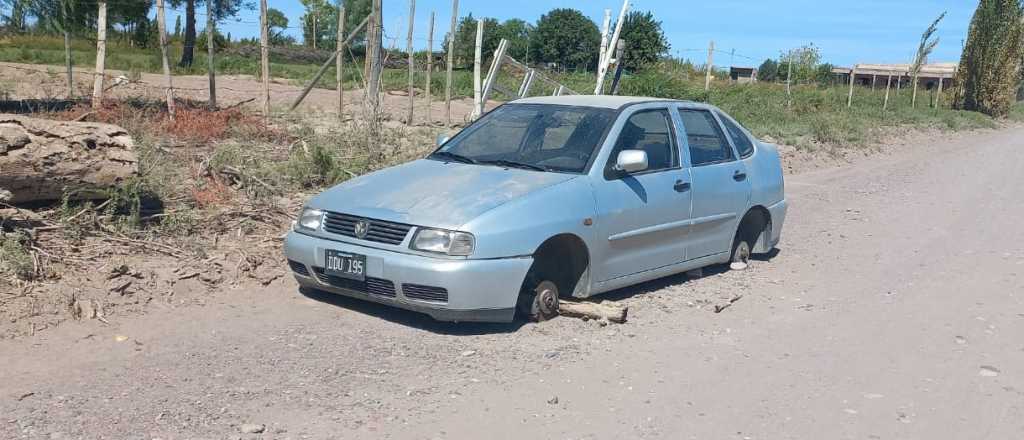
(642, 217)
(721, 189)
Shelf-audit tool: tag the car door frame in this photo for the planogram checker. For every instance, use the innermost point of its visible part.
(600, 250)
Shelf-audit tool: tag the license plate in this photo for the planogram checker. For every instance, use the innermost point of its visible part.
(345, 265)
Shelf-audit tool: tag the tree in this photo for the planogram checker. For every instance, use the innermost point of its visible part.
(518, 34)
(923, 51)
(277, 22)
(355, 12)
(319, 23)
(769, 71)
(991, 63)
(465, 40)
(566, 37)
(177, 28)
(805, 60)
(645, 40)
(221, 9)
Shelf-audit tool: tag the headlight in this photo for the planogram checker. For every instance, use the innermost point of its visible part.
(309, 219)
(443, 242)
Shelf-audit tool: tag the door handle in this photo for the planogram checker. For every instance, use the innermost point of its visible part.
(681, 186)
(739, 176)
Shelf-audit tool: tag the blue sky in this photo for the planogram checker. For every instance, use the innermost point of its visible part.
(865, 31)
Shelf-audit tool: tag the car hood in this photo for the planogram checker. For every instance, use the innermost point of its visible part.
(433, 193)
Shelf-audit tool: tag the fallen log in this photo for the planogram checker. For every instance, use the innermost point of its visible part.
(608, 310)
(42, 159)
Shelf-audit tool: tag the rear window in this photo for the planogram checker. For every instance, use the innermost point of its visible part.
(739, 137)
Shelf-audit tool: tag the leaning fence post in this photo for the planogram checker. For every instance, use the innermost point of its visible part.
(888, 84)
(323, 67)
(477, 60)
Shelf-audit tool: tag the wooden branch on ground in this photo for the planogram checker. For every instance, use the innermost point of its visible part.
(611, 311)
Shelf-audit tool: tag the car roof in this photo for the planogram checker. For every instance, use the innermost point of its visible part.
(602, 101)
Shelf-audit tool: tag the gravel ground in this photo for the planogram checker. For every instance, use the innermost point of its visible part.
(892, 310)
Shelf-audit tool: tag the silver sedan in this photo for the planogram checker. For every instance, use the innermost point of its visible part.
(543, 198)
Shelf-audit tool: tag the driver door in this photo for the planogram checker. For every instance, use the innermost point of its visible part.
(642, 217)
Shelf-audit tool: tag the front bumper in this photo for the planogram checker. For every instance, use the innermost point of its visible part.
(459, 290)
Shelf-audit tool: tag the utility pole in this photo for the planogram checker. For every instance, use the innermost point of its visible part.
(451, 60)
(430, 64)
(853, 74)
(412, 70)
(67, 47)
(789, 81)
(339, 65)
(708, 67)
(265, 59)
(101, 53)
(162, 29)
(210, 30)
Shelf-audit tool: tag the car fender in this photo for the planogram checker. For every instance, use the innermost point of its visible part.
(764, 169)
(519, 227)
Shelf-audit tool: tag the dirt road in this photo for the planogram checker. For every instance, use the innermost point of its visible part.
(894, 310)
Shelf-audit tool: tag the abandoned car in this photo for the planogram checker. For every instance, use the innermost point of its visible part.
(541, 198)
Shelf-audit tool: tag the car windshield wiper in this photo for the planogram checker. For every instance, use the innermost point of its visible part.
(514, 164)
(452, 156)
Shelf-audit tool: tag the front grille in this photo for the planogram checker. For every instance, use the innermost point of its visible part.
(379, 231)
(373, 286)
(298, 268)
(428, 293)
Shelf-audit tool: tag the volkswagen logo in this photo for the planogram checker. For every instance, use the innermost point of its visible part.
(362, 228)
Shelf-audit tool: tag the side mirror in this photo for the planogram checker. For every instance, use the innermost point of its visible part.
(631, 161)
(441, 139)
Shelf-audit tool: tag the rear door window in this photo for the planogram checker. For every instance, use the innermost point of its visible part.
(705, 138)
(739, 137)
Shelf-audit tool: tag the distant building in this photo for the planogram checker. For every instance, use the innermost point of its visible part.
(743, 75)
(877, 75)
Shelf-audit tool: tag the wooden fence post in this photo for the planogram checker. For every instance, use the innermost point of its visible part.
(430, 64)
(477, 60)
(412, 70)
(913, 96)
(162, 29)
(888, 84)
(372, 101)
(67, 48)
(603, 64)
(604, 41)
(210, 30)
(101, 53)
(938, 94)
(708, 67)
(620, 56)
(265, 59)
(492, 75)
(853, 75)
(451, 59)
(339, 66)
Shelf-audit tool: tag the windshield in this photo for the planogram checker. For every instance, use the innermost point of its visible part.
(540, 137)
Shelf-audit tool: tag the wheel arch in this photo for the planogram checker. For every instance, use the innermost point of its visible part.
(565, 258)
(756, 227)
